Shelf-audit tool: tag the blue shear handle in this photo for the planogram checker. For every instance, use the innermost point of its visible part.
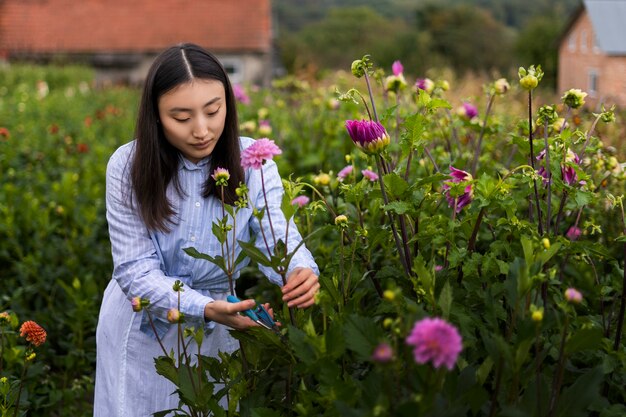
(249, 313)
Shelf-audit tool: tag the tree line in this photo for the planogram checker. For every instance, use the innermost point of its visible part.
(464, 35)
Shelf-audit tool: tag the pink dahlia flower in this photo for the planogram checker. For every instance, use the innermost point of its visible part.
(300, 201)
(371, 137)
(345, 172)
(573, 296)
(437, 341)
(221, 176)
(240, 94)
(370, 175)
(457, 177)
(255, 155)
(382, 353)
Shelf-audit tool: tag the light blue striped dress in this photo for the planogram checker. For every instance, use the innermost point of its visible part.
(146, 264)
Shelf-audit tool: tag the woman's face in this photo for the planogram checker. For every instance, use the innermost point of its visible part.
(193, 116)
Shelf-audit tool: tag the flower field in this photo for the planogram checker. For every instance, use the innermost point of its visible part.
(470, 236)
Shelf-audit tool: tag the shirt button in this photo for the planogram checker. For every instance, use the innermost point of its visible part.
(193, 238)
(197, 204)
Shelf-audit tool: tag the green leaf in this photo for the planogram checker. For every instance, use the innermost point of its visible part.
(399, 207)
(395, 185)
(584, 339)
(575, 400)
(165, 367)
(254, 253)
(361, 335)
(445, 300)
(424, 277)
(621, 239)
(287, 208)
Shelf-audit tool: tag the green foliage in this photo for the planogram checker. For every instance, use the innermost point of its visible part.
(486, 269)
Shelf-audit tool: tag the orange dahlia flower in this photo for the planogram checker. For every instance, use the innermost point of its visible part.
(33, 333)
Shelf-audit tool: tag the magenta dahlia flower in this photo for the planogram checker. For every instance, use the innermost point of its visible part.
(467, 111)
(459, 176)
(425, 84)
(371, 137)
(397, 68)
(437, 341)
(255, 155)
(573, 233)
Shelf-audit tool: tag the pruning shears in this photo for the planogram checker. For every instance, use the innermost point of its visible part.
(258, 314)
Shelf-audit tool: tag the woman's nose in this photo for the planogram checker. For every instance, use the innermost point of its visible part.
(200, 129)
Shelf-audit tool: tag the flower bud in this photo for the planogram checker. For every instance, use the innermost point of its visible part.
(341, 220)
(425, 84)
(546, 243)
(389, 295)
(529, 79)
(369, 136)
(501, 86)
(173, 315)
(574, 98)
(572, 295)
(529, 82)
(321, 179)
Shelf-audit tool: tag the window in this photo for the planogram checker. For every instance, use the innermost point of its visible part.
(571, 43)
(593, 83)
(583, 41)
(234, 69)
(596, 45)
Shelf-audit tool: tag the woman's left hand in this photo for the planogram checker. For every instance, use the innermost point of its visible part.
(302, 285)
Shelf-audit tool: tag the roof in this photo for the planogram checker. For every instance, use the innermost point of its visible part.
(119, 26)
(608, 18)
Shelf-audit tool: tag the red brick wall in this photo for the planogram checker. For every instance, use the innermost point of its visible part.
(579, 57)
(133, 25)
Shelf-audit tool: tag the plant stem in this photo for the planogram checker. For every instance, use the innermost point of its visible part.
(622, 307)
(588, 136)
(19, 390)
(538, 370)
(445, 258)
(472, 241)
(343, 287)
(480, 137)
(549, 171)
(559, 214)
(394, 230)
(269, 216)
(369, 90)
(155, 332)
(532, 159)
(558, 376)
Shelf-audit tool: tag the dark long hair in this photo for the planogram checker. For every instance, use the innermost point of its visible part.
(155, 162)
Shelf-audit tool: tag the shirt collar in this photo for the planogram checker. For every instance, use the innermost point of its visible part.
(185, 163)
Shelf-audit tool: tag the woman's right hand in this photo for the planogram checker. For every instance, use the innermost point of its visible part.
(227, 313)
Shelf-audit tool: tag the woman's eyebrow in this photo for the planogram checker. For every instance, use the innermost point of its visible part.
(182, 109)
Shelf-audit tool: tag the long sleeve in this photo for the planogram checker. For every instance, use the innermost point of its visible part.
(138, 268)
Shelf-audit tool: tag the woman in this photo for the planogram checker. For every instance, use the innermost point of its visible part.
(160, 198)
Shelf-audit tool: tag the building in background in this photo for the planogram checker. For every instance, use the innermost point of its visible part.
(120, 38)
(592, 52)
